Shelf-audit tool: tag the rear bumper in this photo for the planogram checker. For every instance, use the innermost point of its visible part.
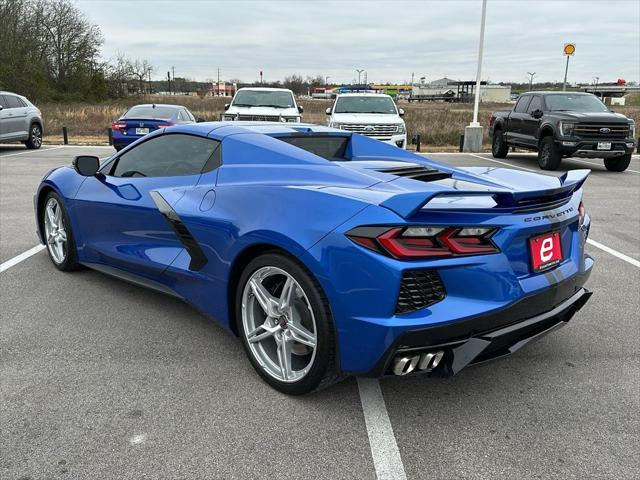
(490, 336)
(121, 140)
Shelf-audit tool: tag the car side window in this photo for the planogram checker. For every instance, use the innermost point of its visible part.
(190, 115)
(523, 103)
(168, 155)
(12, 101)
(3, 102)
(536, 104)
(181, 115)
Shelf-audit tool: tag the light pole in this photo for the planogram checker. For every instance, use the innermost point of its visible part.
(359, 73)
(568, 50)
(473, 132)
(531, 75)
(596, 89)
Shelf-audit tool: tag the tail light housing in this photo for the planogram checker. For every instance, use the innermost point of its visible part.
(581, 214)
(418, 242)
(118, 126)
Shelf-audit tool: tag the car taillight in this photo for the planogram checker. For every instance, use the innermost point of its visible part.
(163, 125)
(425, 242)
(581, 214)
(118, 126)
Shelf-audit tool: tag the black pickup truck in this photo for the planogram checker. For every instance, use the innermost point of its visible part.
(564, 124)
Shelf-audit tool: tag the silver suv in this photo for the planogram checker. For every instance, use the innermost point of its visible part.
(20, 120)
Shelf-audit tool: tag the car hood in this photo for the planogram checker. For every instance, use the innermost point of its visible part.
(597, 117)
(366, 118)
(285, 112)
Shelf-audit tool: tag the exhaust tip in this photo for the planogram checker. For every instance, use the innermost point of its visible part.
(405, 365)
(429, 361)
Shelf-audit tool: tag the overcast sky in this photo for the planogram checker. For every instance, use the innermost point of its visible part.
(389, 39)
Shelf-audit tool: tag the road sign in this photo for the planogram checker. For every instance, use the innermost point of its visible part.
(569, 49)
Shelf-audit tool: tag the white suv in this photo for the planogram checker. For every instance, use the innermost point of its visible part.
(263, 105)
(372, 114)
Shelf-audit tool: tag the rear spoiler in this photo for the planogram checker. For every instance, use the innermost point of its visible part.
(408, 204)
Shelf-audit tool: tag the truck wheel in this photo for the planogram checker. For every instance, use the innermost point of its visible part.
(619, 164)
(548, 156)
(499, 146)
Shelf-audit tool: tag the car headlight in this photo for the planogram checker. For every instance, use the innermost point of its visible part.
(292, 119)
(228, 118)
(632, 130)
(566, 128)
(401, 129)
(336, 125)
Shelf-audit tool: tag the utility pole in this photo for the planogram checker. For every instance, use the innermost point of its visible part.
(366, 79)
(531, 75)
(359, 73)
(173, 70)
(218, 86)
(412, 77)
(473, 132)
(260, 77)
(596, 89)
(326, 80)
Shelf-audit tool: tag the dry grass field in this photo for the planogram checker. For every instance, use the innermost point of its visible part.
(439, 124)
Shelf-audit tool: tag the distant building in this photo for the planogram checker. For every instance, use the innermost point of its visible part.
(441, 82)
(495, 93)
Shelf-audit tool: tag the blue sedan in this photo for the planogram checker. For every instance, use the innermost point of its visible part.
(141, 120)
(328, 253)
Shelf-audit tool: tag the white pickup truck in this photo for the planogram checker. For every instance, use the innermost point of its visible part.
(372, 114)
(263, 105)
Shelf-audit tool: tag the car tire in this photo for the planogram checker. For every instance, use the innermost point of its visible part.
(548, 156)
(309, 368)
(619, 164)
(58, 235)
(499, 146)
(35, 137)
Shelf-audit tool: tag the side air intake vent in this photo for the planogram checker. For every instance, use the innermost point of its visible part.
(419, 289)
(417, 172)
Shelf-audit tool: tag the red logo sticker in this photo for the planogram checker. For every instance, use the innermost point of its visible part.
(546, 251)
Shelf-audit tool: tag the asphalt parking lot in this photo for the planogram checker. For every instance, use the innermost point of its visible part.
(101, 379)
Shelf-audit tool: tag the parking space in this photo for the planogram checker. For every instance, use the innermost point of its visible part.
(101, 379)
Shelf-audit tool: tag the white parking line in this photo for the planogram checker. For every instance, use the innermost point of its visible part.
(597, 164)
(384, 449)
(615, 253)
(31, 151)
(504, 163)
(23, 256)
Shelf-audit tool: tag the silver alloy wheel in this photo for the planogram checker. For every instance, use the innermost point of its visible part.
(279, 324)
(55, 232)
(36, 136)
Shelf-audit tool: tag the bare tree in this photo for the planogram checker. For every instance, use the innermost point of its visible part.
(142, 69)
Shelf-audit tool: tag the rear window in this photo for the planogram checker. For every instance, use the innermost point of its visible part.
(329, 148)
(150, 112)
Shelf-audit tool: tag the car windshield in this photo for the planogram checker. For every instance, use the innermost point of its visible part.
(369, 104)
(574, 103)
(155, 112)
(262, 98)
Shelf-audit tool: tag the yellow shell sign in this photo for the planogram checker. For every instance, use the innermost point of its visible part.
(569, 48)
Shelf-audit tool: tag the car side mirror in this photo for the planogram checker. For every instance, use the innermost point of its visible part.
(328, 111)
(537, 113)
(300, 109)
(1, 107)
(226, 107)
(86, 165)
(401, 112)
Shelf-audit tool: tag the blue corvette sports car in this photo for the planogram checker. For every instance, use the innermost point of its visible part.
(328, 253)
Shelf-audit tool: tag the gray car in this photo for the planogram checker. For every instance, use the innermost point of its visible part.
(20, 120)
